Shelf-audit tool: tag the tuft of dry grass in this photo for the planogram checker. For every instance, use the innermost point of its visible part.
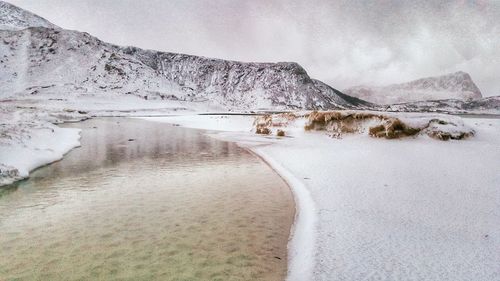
(318, 120)
(262, 130)
(264, 123)
(379, 125)
(338, 122)
(377, 131)
(393, 129)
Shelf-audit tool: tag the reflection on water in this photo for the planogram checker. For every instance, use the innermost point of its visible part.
(147, 201)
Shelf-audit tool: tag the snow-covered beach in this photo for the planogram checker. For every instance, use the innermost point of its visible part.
(252, 141)
(367, 208)
(377, 209)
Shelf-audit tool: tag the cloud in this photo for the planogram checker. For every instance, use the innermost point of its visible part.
(343, 43)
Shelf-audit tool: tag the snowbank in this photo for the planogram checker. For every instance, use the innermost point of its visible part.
(301, 247)
(388, 209)
(27, 143)
(29, 138)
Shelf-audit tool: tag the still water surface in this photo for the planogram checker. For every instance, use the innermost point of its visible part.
(147, 201)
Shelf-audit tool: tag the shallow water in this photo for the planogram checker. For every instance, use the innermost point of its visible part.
(147, 201)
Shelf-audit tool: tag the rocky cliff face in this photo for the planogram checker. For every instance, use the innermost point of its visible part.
(458, 85)
(44, 58)
(261, 85)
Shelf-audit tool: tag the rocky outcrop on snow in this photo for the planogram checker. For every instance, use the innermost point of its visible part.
(15, 18)
(458, 85)
(44, 59)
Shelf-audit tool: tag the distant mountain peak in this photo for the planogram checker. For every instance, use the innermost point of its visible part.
(457, 85)
(458, 73)
(15, 18)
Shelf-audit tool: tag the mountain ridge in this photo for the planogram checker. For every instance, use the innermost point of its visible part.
(457, 85)
(41, 59)
(15, 18)
(486, 105)
(46, 59)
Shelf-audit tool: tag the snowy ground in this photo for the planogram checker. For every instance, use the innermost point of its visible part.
(369, 209)
(375, 209)
(27, 141)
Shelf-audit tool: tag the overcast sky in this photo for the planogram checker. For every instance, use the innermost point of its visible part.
(343, 43)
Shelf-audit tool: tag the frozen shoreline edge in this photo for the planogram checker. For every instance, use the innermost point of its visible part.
(39, 165)
(301, 240)
(45, 150)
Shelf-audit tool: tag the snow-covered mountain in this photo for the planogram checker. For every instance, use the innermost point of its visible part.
(458, 85)
(44, 59)
(483, 105)
(15, 18)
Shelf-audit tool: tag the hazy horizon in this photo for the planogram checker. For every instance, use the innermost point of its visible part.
(344, 43)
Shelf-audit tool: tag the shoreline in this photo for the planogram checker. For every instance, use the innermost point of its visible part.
(366, 195)
(48, 145)
(10, 176)
(356, 209)
(236, 211)
(303, 221)
(300, 253)
(301, 242)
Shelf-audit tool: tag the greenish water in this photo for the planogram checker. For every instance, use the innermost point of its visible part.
(147, 201)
